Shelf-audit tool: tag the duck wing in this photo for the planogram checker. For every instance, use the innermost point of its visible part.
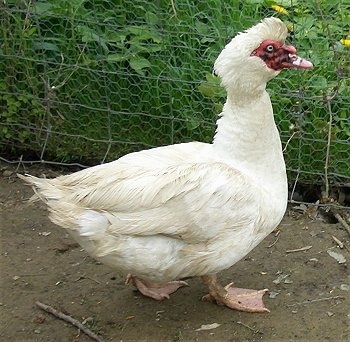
(155, 192)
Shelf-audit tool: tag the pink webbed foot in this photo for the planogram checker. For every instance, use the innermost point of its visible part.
(235, 298)
(156, 291)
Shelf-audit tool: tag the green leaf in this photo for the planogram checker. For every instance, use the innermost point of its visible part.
(192, 122)
(139, 63)
(45, 46)
(144, 32)
(207, 89)
(43, 8)
(211, 87)
(88, 36)
(207, 40)
(319, 81)
(116, 37)
(152, 18)
(202, 28)
(117, 57)
(30, 32)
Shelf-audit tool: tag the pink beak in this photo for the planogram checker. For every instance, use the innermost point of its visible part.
(299, 62)
(294, 60)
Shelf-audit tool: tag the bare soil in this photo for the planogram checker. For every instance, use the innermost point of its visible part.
(309, 290)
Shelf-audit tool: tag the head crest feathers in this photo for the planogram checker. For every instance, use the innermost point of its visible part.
(235, 60)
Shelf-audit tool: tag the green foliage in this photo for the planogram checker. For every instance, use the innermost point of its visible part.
(89, 80)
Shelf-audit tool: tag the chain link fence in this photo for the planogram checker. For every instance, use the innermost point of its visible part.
(87, 81)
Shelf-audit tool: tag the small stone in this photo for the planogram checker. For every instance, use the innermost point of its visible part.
(330, 314)
(87, 320)
(337, 256)
(273, 294)
(37, 331)
(279, 279)
(313, 259)
(16, 277)
(345, 287)
(7, 173)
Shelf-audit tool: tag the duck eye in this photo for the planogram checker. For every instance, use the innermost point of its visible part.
(270, 48)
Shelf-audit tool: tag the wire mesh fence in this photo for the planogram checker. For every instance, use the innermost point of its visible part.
(86, 81)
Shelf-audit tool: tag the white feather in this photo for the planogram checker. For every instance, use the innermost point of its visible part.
(91, 223)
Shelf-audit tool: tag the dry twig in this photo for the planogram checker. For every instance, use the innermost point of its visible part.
(288, 141)
(342, 221)
(69, 319)
(338, 242)
(256, 331)
(173, 7)
(316, 300)
(329, 136)
(299, 249)
(277, 237)
(328, 99)
(85, 277)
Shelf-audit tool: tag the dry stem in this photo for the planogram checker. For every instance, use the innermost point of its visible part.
(173, 7)
(316, 300)
(69, 319)
(277, 237)
(342, 221)
(299, 249)
(328, 146)
(256, 331)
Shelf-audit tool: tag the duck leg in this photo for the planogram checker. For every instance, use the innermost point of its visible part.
(233, 297)
(157, 291)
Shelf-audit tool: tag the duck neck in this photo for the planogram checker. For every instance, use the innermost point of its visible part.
(248, 139)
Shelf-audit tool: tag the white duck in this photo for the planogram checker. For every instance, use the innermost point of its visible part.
(191, 209)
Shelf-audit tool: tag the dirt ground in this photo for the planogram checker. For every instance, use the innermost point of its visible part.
(309, 290)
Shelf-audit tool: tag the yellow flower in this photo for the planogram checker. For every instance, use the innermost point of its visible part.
(290, 27)
(279, 9)
(345, 42)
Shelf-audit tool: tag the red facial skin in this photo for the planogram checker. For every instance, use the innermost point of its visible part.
(275, 54)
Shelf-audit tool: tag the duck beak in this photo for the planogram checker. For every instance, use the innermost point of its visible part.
(291, 60)
(295, 61)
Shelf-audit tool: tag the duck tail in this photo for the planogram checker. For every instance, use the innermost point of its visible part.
(63, 211)
(43, 188)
